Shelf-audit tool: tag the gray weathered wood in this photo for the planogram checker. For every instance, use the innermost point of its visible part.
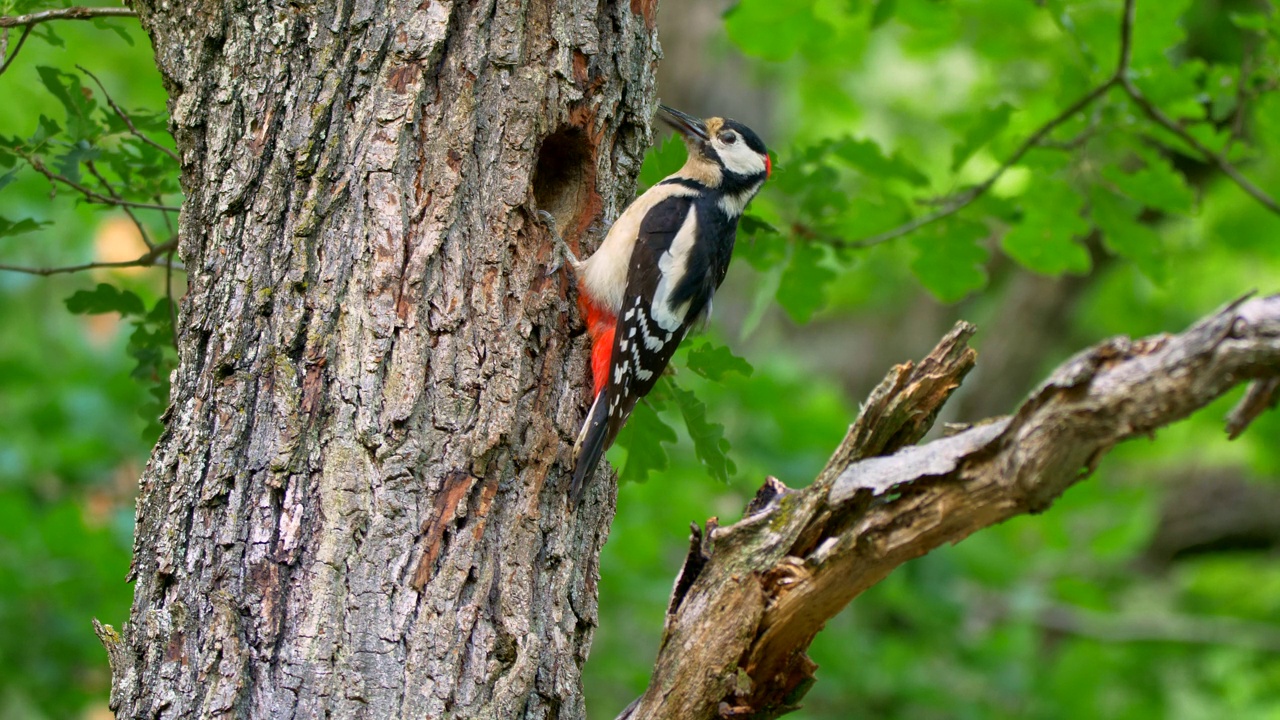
(357, 508)
(734, 643)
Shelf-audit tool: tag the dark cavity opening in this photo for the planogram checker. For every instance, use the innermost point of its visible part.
(561, 180)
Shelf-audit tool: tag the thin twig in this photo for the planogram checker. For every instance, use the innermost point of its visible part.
(1242, 101)
(71, 13)
(127, 121)
(1126, 38)
(167, 222)
(966, 198)
(16, 48)
(150, 259)
(92, 196)
(146, 238)
(1158, 117)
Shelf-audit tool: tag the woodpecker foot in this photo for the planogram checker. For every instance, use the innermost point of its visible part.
(563, 252)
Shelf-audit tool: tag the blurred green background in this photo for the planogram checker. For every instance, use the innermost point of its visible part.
(1150, 590)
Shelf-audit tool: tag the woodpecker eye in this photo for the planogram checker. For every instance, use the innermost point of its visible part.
(729, 137)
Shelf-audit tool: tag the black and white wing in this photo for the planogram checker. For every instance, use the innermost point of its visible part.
(660, 302)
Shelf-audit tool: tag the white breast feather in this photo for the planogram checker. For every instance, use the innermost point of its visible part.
(605, 273)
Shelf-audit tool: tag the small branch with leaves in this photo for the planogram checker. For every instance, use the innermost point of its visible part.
(1121, 79)
(158, 256)
(90, 195)
(30, 21)
(754, 594)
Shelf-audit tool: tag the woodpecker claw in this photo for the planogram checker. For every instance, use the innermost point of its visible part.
(564, 252)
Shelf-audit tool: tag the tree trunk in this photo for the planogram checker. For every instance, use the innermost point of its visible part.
(358, 506)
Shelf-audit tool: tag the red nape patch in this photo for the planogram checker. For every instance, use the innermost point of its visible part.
(600, 325)
(768, 166)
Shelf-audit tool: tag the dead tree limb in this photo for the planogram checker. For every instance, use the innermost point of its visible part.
(755, 593)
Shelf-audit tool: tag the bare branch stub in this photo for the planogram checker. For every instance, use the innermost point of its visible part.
(770, 581)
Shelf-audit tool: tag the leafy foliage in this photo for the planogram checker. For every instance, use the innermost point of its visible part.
(924, 170)
(150, 345)
(70, 446)
(924, 143)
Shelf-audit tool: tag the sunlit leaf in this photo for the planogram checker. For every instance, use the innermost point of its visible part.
(981, 131)
(1047, 240)
(1158, 185)
(866, 155)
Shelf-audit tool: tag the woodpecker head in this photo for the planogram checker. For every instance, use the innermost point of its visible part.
(723, 153)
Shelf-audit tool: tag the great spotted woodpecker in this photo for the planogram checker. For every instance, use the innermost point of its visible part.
(655, 272)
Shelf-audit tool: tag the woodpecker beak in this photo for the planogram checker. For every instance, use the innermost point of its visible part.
(685, 124)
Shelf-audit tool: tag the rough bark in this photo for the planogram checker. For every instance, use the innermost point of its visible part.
(754, 594)
(357, 508)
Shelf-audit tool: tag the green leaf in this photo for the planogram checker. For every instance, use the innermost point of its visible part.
(883, 12)
(45, 129)
(115, 27)
(986, 126)
(803, 287)
(643, 438)
(950, 259)
(8, 227)
(714, 362)
(750, 225)
(662, 159)
(47, 33)
(69, 163)
(75, 99)
(1124, 235)
(774, 30)
(105, 299)
(8, 177)
(709, 443)
(1250, 21)
(1158, 185)
(867, 157)
(764, 250)
(1045, 239)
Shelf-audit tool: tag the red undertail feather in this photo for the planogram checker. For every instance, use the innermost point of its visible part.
(600, 325)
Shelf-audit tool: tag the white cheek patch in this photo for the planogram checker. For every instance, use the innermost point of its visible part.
(740, 159)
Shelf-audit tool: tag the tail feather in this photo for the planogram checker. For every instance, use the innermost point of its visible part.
(590, 446)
